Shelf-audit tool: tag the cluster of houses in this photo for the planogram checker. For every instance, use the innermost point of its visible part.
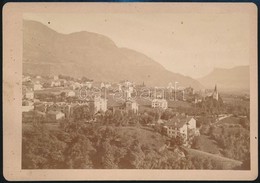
(119, 96)
(54, 111)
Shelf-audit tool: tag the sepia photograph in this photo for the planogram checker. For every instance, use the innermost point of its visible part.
(136, 87)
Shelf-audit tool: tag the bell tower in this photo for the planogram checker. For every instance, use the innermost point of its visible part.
(215, 93)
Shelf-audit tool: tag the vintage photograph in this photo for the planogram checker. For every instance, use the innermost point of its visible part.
(135, 91)
(130, 91)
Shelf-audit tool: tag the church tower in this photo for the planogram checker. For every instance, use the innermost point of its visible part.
(215, 93)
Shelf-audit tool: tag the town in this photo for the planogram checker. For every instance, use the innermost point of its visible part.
(182, 117)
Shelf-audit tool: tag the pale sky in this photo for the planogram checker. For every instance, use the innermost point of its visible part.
(190, 44)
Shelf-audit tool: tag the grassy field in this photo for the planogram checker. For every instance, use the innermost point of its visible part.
(144, 136)
(236, 102)
(225, 163)
(174, 104)
(230, 124)
(208, 145)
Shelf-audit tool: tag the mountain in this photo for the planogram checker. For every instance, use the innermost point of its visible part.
(233, 79)
(95, 56)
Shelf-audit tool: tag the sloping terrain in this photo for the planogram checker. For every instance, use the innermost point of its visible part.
(92, 55)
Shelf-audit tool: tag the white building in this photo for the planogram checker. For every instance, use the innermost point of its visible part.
(29, 95)
(55, 83)
(127, 94)
(181, 125)
(26, 78)
(55, 78)
(37, 86)
(70, 93)
(55, 115)
(159, 103)
(88, 84)
(98, 104)
(27, 106)
(75, 85)
(131, 106)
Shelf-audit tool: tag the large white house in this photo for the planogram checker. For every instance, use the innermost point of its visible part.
(181, 125)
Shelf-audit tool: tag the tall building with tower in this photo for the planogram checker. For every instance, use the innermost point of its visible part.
(215, 93)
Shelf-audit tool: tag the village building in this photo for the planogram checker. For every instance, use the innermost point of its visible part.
(88, 84)
(27, 106)
(131, 105)
(37, 86)
(159, 103)
(55, 116)
(189, 91)
(55, 78)
(181, 125)
(55, 83)
(27, 93)
(116, 105)
(126, 83)
(98, 104)
(107, 85)
(26, 78)
(215, 93)
(75, 85)
(70, 93)
(127, 94)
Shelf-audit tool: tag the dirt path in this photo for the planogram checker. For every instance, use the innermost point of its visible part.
(229, 163)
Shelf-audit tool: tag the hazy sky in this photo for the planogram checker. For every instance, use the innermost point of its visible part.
(190, 44)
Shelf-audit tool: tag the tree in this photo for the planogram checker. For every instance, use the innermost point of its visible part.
(108, 158)
(40, 149)
(78, 152)
(178, 140)
(135, 156)
(195, 143)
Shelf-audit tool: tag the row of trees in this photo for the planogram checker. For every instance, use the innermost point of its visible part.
(235, 143)
(77, 145)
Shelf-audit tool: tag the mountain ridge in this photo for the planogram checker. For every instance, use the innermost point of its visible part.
(92, 55)
(236, 78)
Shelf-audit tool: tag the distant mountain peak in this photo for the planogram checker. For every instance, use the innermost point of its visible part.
(236, 78)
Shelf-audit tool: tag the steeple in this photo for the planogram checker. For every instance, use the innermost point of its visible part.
(215, 93)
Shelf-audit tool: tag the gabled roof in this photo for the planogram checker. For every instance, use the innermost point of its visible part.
(178, 121)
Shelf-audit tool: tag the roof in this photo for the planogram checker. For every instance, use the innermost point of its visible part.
(54, 112)
(159, 100)
(177, 121)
